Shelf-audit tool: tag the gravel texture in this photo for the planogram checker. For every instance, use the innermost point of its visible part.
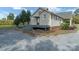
(11, 40)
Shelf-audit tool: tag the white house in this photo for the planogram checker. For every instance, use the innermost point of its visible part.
(43, 18)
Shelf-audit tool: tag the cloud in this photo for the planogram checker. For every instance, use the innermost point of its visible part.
(54, 9)
(32, 11)
(3, 14)
(24, 9)
(73, 9)
(19, 8)
(62, 9)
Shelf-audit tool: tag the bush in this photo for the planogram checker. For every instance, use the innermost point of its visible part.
(66, 20)
(64, 26)
(76, 21)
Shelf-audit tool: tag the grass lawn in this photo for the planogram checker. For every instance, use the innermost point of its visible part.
(7, 26)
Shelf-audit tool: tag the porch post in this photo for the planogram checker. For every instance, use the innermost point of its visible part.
(71, 21)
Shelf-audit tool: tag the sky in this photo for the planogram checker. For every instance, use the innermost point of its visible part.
(4, 11)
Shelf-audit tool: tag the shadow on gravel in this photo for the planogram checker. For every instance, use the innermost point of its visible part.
(45, 46)
(18, 41)
(23, 45)
(8, 37)
(76, 48)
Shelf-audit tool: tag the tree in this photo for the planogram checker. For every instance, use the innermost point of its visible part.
(76, 19)
(3, 18)
(76, 16)
(17, 21)
(76, 12)
(23, 16)
(28, 16)
(10, 16)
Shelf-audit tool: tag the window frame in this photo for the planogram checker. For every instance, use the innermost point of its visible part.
(44, 15)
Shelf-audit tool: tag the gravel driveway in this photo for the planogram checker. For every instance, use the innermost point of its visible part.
(11, 40)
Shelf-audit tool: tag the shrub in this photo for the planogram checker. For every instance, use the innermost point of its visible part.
(64, 26)
(66, 20)
(76, 21)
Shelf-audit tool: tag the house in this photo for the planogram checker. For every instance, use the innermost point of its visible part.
(43, 18)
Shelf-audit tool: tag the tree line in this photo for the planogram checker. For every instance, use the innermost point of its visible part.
(23, 17)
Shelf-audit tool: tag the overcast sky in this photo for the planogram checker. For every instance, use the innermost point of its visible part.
(4, 11)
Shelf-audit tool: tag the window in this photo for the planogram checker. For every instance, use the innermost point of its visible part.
(56, 17)
(44, 15)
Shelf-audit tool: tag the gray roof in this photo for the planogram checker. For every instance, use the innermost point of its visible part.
(65, 15)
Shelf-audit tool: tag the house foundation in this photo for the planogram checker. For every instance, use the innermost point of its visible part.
(50, 28)
(55, 28)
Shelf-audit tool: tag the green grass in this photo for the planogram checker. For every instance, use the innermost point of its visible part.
(7, 26)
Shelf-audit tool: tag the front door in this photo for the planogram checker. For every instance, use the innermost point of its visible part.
(37, 20)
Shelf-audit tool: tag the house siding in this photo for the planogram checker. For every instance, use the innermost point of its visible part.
(55, 21)
(44, 18)
(33, 21)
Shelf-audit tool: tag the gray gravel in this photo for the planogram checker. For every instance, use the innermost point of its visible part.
(11, 40)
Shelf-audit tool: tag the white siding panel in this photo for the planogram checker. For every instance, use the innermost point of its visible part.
(44, 20)
(55, 22)
(33, 21)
